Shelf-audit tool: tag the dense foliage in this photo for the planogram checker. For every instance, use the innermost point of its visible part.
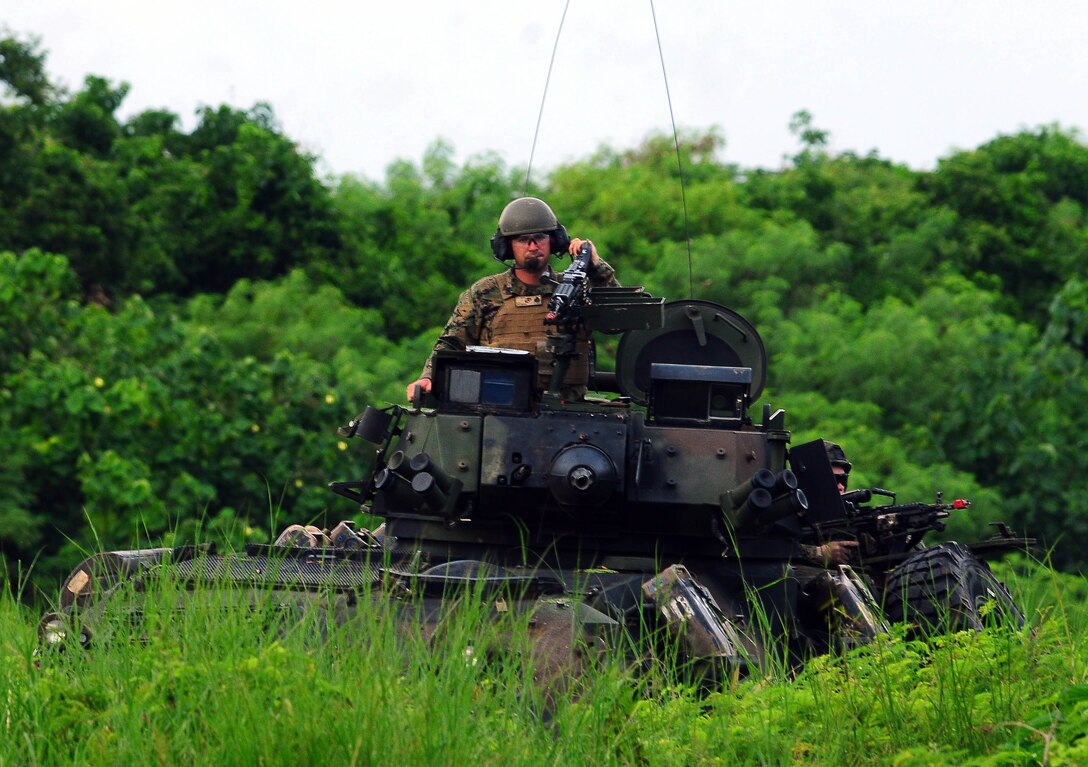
(185, 317)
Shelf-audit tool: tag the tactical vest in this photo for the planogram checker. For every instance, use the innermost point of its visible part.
(519, 324)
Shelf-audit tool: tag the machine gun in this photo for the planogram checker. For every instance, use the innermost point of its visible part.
(887, 531)
(570, 292)
(564, 314)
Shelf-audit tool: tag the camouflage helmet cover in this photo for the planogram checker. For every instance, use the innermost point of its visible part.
(837, 456)
(526, 215)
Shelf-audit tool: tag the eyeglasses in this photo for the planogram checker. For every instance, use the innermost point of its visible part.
(534, 238)
(842, 480)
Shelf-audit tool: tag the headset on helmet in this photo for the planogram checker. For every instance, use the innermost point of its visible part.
(526, 215)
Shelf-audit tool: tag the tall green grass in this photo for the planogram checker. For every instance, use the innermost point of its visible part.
(247, 679)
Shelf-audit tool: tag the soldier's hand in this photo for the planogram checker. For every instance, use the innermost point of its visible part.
(424, 385)
(837, 552)
(576, 245)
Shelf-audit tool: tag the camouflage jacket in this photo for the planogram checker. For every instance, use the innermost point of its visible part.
(472, 321)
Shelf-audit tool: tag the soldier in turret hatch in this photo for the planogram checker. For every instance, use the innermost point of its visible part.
(507, 309)
(842, 551)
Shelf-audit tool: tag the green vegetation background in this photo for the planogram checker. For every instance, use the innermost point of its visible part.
(185, 317)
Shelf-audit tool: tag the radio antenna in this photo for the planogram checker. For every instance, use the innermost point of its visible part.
(672, 120)
(676, 145)
(544, 97)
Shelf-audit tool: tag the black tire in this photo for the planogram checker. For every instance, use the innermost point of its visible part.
(947, 588)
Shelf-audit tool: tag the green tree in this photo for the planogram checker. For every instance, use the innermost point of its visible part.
(631, 202)
(414, 245)
(142, 207)
(22, 70)
(1020, 203)
(1069, 316)
(262, 210)
(127, 425)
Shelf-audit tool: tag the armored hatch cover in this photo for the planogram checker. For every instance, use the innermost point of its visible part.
(694, 333)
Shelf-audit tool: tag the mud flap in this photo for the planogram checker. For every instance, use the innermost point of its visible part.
(567, 638)
(694, 618)
(852, 611)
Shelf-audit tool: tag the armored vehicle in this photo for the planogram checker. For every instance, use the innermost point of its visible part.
(656, 508)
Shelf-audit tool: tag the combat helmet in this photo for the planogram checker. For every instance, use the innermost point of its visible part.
(837, 456)
(526, 215)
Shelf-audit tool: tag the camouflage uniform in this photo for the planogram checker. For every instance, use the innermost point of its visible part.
(501, 310)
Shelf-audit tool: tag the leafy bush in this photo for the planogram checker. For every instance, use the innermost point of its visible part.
(129, 426)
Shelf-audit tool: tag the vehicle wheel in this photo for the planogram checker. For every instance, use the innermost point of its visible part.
(947, 588)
